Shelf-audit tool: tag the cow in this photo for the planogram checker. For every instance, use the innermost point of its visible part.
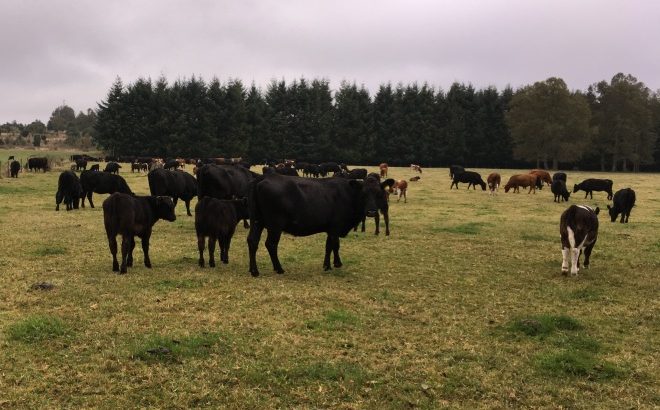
(382, 202)
(311, 170)
(559, 190)
(14, 168)
(623, 202)
(415, 178)
(559, 175)
(470, 177)
(355, 173)
(135, 166)
(217, 219)
(522, 180)
(415, 167)
(101, 183)
(455, 169)
(171, 164)
(81, 164)
(326, 168)
(303, 207)
(383, 169)
(94, 167)
(69, 191)
(112, 167)
(544, 176)
(578, 227)
(176, 184)
(400, 188)
(290, 171)
(131, 216)
(37, 163)
(593, 184)
(494, 179)
(224, 182)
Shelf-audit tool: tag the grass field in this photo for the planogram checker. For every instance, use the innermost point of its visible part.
(463, 306)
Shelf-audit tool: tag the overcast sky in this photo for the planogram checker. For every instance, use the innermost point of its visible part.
(56, 51)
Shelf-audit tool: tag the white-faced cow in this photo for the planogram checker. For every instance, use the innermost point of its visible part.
(578, 227)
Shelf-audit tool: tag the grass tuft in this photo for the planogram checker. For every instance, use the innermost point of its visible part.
(577, 364)
(158, 348)
(49, 250)
(470, 228)
(544, 325)
(168, 284)
(334, 320)
(37, 328)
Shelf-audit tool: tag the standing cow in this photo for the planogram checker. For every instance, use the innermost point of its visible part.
(578, 227)
(217, 219)
(112, 168)
(176, 184)
(624, 200)
(101, 183)
(594, 184)
(14, 168)
(69, 191)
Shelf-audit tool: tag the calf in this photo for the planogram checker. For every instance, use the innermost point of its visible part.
(559, 175)
(36, 163)
(469, 177)
(131, 216)
(355, 173)
(94, 167)
(383, 169)
(400, 188)
(494, 179)
(593, 184)
(624, 200)
(578, 227)
(217, 219)
(69, 190)
(415, 167)
(558, 188)
(112, 167)
(14, 168)
(81, 164)
(415, 178)
(544, 176)
(101, 183)
(522, 180)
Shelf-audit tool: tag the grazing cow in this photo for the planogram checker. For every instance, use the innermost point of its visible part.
(303, 207)
(14, 168)
(383, 169)
(544, 176)
(415, 178)
(112, 167)
(171, 164)
(37, 163)
(578, 228)
(558, 188)
(470, 177)
(69, 190)
(94, 167)
(455, 169)
(400, 188)
(415, 167)
(131, 216)
(217, 219)
(101, 183)
(81, 164)
(559, 175)
(624, 200)
(327, 167)
(355, 173)
(175, 184)
(593, 184)
(494, 179)
(522, 180)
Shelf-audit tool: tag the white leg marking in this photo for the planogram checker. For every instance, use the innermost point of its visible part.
(571, 237)
(575, 254)
(564, 260)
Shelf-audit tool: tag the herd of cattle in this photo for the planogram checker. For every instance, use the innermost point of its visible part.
(279, 201)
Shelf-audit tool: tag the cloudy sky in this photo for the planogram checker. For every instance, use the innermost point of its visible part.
(56, 51)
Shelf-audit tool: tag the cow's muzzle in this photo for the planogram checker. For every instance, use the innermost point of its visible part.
(372, 213)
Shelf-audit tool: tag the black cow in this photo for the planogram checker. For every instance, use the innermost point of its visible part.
(311, 170)
(283, 171)
(94, 167)
(37, 163)
(624, 200)
(328, 167)
(14, 168)
(559, 176)
(131, 216)
(578, 227)
(560, 191)
(69, 191)
(81, 164)
(455, 169)
(469, 177)
(356, 173)
(302, 207)
(593, 184)
(112, 167)
(101, 183)
(176, 184)
(217, 219)
(171, 164)
(381, 202)
(223, 181)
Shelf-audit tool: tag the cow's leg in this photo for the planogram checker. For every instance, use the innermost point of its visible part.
(200, 246)
(145, 250)
(212, 240)
(587, 254)
(328, 249)
(272, 240)
(89, 198)
(364, 221)
(253, 243)
(246, 225)
(575, 260)
(226, 249)
(129, 260)
(386, 217)
(188, 207)
(565, 252)
(125, 246)
(405, 196)
(377, 221)
(335, 250)
(112, 242)
(58, 200)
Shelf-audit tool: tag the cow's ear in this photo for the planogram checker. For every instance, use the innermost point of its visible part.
(355, 184)
(387, 183)
(608, 207)
(597, 210)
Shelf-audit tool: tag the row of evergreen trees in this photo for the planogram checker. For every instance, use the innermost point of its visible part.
(400, 124)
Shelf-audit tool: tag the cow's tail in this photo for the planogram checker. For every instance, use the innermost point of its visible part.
(110, 216)
(253, 206)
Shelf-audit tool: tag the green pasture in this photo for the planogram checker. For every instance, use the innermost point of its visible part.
(463, 306)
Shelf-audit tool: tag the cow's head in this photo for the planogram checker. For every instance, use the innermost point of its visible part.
(566, 195)
(613, 213)
(483, 185)
(371, 194)
(576, 188)
(165, 208)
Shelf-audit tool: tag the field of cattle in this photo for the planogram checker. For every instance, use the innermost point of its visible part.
(462, 306)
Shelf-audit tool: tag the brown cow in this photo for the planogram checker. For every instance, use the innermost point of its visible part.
(383, 169)
(494, 179)
(544, 175)
(399, 188)
(415, 178)
(521, 180)
(416, 167)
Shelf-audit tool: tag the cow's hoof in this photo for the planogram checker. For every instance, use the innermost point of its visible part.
(279, 271)
(338, 264)
(115, 268)
(147, 264)
(254, 273)
(327, 267)
(123, 271)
